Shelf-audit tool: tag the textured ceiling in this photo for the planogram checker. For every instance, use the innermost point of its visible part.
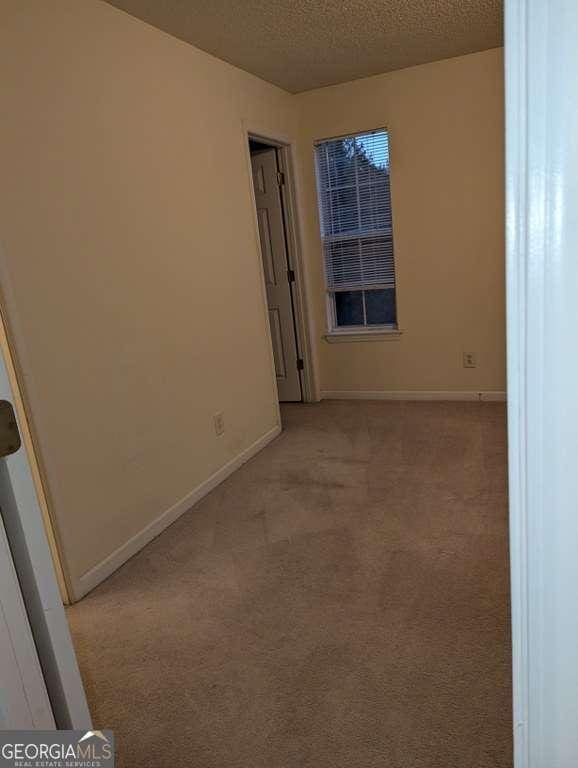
(303, 44)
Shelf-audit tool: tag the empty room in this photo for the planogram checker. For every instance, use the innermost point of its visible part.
(252, 282)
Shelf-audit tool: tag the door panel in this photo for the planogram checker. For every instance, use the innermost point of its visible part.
(277, 339)
(22, 522)
(266, 248)
(275, 268)
(24, 702)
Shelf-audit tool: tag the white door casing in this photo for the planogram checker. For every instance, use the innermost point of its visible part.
(275, 270)
(542, 290)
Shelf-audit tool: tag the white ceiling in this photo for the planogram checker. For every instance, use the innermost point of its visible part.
(304, 44)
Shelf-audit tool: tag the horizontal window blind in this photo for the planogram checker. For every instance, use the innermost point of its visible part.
(355, 211)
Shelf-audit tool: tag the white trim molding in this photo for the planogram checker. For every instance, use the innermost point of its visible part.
(349, 336)
(415, 394)
(113, 562)
(516, 225)
(542, 318)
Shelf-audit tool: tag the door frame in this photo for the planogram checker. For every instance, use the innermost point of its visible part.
(542, 314)
(289, 200)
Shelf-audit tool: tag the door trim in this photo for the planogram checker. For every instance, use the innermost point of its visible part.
(515, 65)
(541, 240)
(289, 199)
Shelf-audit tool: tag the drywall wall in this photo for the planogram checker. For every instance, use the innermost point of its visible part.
(130, 267)
(447, 174)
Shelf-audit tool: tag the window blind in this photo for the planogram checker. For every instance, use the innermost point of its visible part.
(355, 211)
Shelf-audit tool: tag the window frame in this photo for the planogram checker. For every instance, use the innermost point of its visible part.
(363, 332)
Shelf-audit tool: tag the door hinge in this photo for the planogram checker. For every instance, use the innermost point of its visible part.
(291, 275)
(300, 364)
(280, 178)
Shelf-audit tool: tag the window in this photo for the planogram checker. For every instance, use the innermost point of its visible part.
(356, 230)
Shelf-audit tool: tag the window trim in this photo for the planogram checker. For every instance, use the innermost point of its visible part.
(356, 333)
(352, 333)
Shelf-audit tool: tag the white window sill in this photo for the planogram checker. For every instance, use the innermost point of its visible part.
(375, 334)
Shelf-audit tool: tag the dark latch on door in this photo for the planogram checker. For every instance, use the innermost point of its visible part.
(9, 435)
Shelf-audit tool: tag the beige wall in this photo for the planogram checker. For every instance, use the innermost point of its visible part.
(129, 262)
(447, 170)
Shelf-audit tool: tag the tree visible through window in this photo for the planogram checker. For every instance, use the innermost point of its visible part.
(353, 188)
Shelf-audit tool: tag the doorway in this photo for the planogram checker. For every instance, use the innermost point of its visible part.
(270, 178)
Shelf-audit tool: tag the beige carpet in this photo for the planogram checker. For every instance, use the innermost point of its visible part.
(340, 602)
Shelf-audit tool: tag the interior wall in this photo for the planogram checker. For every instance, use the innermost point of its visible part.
(130, 269)
(446, 127)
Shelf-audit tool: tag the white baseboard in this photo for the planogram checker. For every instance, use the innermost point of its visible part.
(103, 570)
(486, 396)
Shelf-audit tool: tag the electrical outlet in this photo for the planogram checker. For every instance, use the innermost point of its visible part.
(219, 422)
(469, 360)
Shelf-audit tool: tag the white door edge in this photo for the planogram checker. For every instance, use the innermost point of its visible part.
(517, 408)
(24, 702)
(23, 521)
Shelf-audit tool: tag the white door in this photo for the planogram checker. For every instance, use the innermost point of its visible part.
(24, 702)
(23, 538)
(278, 277)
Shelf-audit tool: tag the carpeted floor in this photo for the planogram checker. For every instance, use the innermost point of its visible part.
(340, 602)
